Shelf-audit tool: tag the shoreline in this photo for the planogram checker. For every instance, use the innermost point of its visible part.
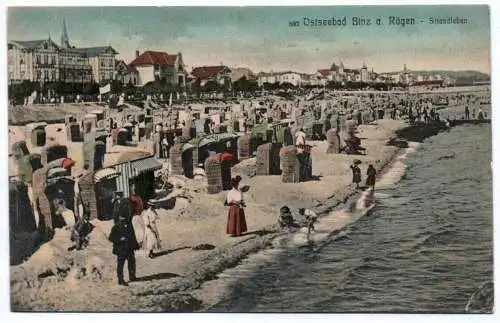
(175, 294)
(210, 271)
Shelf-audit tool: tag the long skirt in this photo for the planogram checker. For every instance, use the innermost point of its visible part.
(150, 241)
(236, 223)
(370, 180)
(356, 178)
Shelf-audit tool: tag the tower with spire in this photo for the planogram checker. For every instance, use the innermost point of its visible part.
(364, 73)
(406, 75)
(64, 36)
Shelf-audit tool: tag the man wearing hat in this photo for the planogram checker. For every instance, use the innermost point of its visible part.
(124, 245)
(121, 206)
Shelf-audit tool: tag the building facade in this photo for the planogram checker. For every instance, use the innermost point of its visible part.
(126, 74)
(340, 74)
(294, 78)
(152, 65)
(36, 60)
(45, 61)
(220, 74)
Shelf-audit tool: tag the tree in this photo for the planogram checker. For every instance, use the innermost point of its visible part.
(116, 86)
(270, 86)
(195, 88)
(286, 86)
(333, 85)
(130, 89)
(90, 88)
(212, 86)
(17, 92)
(245, 85)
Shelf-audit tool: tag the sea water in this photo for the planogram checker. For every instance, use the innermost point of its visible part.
(422, 243)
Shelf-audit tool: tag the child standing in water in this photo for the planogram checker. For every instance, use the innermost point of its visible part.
(285, 219)
(310, 218)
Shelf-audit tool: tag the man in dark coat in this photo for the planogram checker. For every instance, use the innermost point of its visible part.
(124, 245)
(121, 206)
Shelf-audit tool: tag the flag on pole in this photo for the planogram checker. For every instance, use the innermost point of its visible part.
(105, 89)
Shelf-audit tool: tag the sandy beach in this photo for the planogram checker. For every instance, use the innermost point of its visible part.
(57, 279)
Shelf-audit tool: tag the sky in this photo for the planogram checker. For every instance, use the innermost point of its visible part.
(262, 39)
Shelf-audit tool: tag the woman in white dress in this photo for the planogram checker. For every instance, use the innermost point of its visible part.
(151, 234)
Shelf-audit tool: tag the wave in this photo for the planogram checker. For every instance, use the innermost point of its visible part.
(397, 170)
(330, 227)
(481, 301)
(334, 226)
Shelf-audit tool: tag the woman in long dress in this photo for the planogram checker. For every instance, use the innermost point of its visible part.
(151, 234)
(356, 174)
(370, 179)
(236, 223)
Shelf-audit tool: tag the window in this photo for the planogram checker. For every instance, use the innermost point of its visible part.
(46, 75)
(22, 61)
(45, 46)
(38, 75)
(38, 59)
(53, 60)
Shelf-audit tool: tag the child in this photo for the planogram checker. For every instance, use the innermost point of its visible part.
(371, 174)
(356, 174)
(285, 219)
(310, 219)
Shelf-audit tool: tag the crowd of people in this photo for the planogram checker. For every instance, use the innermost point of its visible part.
(135, 221)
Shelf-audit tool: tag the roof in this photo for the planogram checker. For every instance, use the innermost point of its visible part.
(105, 174)
(31, 44)
(144, 165)
(149, 57)
(324, 72)
(279, 73)
(120, 156)
(119, 62)
(131, 69)
(92, 51)
(207, 72)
